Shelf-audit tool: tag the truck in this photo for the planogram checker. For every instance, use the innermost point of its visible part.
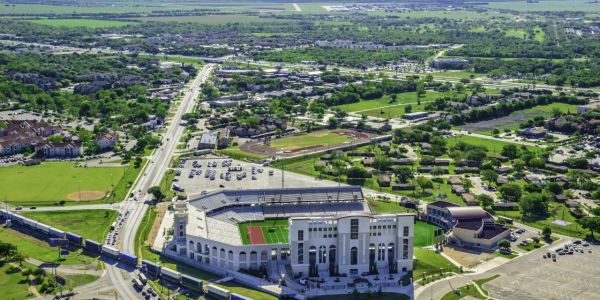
(142, 278)
(178, 188)
(137, 283)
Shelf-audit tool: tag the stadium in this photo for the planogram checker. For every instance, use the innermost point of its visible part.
(300, 232)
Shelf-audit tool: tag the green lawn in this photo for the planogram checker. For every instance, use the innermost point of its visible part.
(79, 279)
(386, 207)
(551, 5)
(13, 285)
(274, 231)
(50, 182)
(214, 19)
(493, 146)
(518, 33)
(427, 262)
(402, 99)
(424, 234)
(91, 23)
(91, 224)
(39, 249)
(316, 138)
(558, 211)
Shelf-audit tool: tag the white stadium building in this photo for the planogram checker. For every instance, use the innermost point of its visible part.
(312, 232)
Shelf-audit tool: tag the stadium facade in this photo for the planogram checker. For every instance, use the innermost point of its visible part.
(320, 232)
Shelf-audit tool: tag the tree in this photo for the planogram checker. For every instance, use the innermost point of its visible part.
(518, 165)
(591, 223)
(156, 192)
(534, 205)
(489, 175)
(510, 151)
(420, 93)
(511, 192)
(485, 200)
(403, 174)
(423, 183)
(505, 244)
(555, 188)
(596, 211)
(332, 122)
(546, 233)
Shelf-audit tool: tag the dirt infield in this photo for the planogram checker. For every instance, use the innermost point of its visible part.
(255, 235)
(259, 146)
(86, 195)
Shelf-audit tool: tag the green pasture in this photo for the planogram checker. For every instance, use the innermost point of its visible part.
(91, 23)
(90, 224)
(365, 106)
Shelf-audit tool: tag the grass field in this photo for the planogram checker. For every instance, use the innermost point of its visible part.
(51, 182)
(91, 224)
(236, 153)
(370, 107)
(554, 5)
(493, 146)
(558, 211)
(60, 9)
(513, 120)
(316, 138)
(386, 207)
(39, 249)
(518, 33)
(428, 262)
(13, 285)
(424, 234)
(213, 19)
(274, 231)
(91, 23)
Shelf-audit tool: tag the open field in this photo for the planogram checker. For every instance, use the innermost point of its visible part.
(386, 207)
(305, 143)
(139, 7)
(14, 285)
(213, 19)
(430, 262)
(273, 231)
(424, 234)
(493, 146)
(402, 99)
(91, 23)
(512, 120)
(554, 5)
(91, 224)
(295, 142)
(558, 211)
(51, 182)
(39, 249)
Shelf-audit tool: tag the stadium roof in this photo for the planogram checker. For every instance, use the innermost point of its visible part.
(264, 197)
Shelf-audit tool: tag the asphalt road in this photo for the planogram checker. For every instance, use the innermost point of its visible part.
(156, 168)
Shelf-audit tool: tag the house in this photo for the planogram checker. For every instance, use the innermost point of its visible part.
(533, 132)
(588, 107)
(458, 189)
(470, 199)
(208, 140)
(384, 180)
(455, 180)
(500, 180)
(505, 206)
(479, 100)
(561, 198)
(504, 169)
(534, 179)
(416, 115)
(106, 140)
(450, 63)
(403, 187)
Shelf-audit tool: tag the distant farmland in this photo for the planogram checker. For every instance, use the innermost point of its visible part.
(91, 23)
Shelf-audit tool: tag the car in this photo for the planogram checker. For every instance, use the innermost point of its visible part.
(33, 207)
(586, 244)
(18, 208)
(577, 242)
(253, 177)
(221, 186)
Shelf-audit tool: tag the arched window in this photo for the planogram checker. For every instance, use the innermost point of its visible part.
(214, 251)
(381, 252)
(230, 255)
(391, 252)
(322, 254)
(242, 256)
(222, 253)
(354, 256)
(198, 247)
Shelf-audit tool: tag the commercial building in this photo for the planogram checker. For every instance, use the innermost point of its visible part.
(470, 226)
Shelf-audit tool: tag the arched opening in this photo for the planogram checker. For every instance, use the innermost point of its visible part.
(392, 266)
(242, 256)
(381, 252)
(322, 254)
(333, 268)
(198, 247)
(222, 254)
(353, 256)
(230, 255)
(312, 262)
(372, 265)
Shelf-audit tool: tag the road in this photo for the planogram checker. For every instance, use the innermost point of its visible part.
(156, 168)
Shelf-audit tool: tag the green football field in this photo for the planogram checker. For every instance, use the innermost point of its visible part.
(274, 231)
(323, 138)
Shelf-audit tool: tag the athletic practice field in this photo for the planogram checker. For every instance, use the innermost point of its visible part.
(264, 232)
(305, 142)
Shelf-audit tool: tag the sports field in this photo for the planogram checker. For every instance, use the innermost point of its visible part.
(323, 138)
(424, 234)
(50, 182)
(264, 232)
(493, 146)
(79, 23)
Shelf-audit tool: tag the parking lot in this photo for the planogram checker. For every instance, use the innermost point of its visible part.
(217, 176)
(575, 276)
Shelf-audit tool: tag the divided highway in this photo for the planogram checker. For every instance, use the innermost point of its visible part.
(155, 169)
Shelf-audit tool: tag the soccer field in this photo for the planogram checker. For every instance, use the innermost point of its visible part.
(273, 231)
(55, 181)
